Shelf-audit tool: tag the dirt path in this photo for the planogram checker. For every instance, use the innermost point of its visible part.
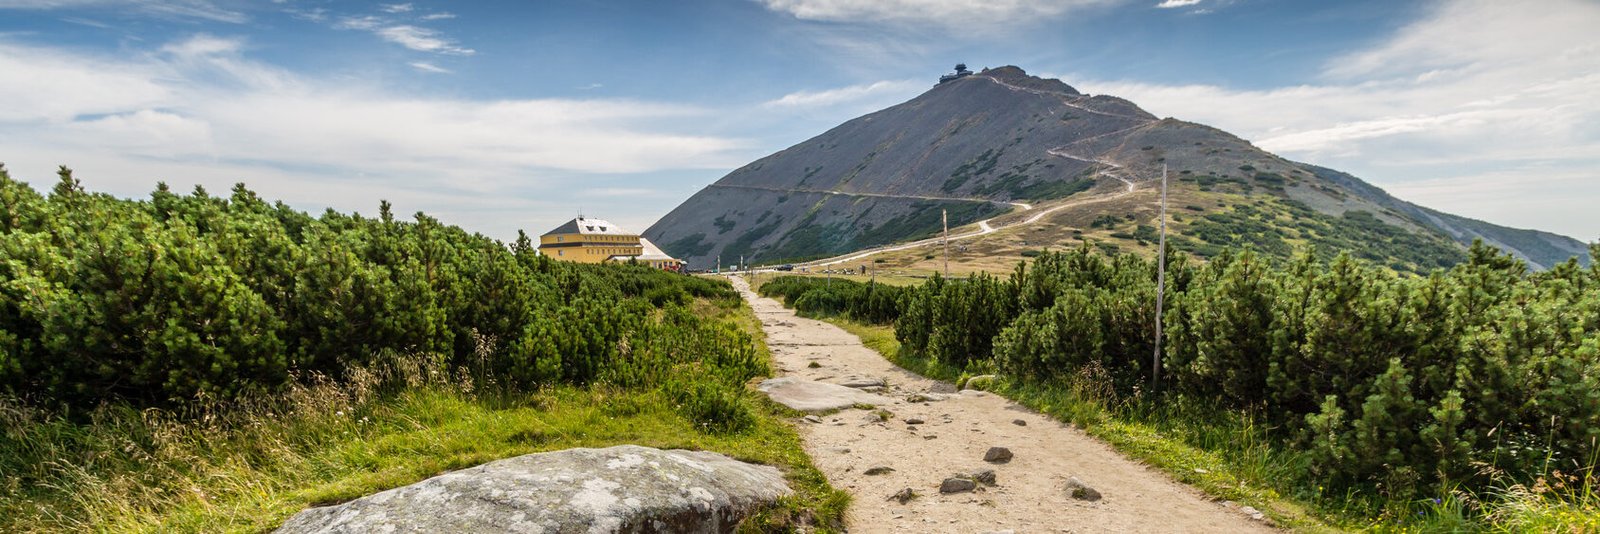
(1029, 495)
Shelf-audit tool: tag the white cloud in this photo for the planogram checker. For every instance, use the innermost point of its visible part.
(832, 97)
(1169, 4)
(421, 40)
(86, 22)
(429, 67)
(316, 14)
(45, 85)
(618, 192)
(203, 45)
(200, 9)
(200, 111)
(443, 15)
(396, 8)
(942, 12)
(407, 35)
(1473, 92)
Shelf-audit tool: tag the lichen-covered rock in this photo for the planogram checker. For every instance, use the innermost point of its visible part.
(627, 488)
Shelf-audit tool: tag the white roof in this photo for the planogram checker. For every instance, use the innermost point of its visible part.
(652, 252)
(589, 226)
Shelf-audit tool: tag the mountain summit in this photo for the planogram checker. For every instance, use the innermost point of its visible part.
(1085, 166)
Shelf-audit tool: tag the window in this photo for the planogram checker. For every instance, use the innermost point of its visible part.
(560, 239)
(561, 252)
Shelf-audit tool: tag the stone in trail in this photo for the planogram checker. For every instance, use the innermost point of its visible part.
(914, 421)
(809, 396)
(997, 455)
(1080, 491)
(1019, 422)
(984, 476)
(957, 485)
(626, 488)
(861, 382)
(903, 496)
(879, 470)
(980, 382)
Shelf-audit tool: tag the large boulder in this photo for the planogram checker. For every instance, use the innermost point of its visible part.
(809, 396)
(626, 488)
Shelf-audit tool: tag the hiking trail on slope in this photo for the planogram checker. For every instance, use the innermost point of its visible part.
(1029, 494)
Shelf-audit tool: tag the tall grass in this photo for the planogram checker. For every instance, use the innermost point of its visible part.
(249, 464)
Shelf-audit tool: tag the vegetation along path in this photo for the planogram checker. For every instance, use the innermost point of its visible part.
(955, 433)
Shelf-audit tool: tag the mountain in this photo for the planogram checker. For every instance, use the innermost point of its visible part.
(1056, 167)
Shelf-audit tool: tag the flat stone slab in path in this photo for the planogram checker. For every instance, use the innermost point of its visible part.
(810, 396)
(626, 488)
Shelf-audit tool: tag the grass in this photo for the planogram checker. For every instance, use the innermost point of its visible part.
(247, 467)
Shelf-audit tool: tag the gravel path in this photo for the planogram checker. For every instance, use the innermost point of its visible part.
(1029, 494)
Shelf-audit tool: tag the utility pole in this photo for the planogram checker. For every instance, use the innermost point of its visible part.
(1161, 280)
(944, 215)
(719, 264)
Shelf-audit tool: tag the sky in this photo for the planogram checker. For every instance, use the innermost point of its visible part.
(499, 116)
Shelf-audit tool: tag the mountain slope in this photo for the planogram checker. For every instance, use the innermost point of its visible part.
(1002, 140)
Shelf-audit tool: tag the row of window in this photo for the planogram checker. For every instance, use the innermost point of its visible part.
(616, 238)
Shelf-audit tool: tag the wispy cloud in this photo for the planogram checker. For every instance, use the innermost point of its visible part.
(443, 15)
(832, 97)
(618, 192)
(410, 36)
(86, 22)
(316, 14)
(940, 12)
(429, 67)
(421, 39)
(396, 8)
(362, 22)
(1171, 4)
(178, 9)
(1475, 90)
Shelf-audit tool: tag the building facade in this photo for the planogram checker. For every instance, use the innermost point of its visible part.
(590, 240)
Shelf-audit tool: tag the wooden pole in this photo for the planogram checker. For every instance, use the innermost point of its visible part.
(1161, 280)
(944, 215)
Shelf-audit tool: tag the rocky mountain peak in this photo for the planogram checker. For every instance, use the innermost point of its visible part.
(1014, 75)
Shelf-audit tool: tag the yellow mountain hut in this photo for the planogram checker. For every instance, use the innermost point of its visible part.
(589, 240)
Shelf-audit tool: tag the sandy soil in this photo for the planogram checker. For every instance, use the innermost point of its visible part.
(1029, 495)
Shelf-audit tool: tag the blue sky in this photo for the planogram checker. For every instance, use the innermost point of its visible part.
(506, 115)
